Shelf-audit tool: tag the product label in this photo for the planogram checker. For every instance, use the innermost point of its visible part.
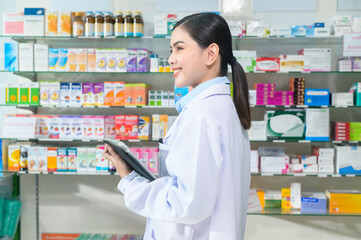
(98, 29)
(119, 29)
(89, 29)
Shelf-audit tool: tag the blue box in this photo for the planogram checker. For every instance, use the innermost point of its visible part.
(314, 203)
(317, 97)
(298, 30)
(310, 30)
(180, 92)
(319, 25)
(10, 56)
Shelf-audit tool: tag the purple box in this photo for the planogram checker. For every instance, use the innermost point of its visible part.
(142, 60)
(87, 94)
(356, 64)
(132, 60)
(98, 93)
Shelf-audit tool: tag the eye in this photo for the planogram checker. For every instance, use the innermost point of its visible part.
(179, 48)
(171, 51)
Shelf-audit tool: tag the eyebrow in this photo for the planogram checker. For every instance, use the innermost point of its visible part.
(176, 43)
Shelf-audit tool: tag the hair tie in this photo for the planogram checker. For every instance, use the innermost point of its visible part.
(232, 61)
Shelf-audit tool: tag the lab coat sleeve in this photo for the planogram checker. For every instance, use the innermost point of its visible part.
(189, 194)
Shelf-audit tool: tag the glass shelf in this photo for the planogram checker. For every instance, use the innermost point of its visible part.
(320, 175)
(87, 107)
(304, 141)
(71, 140)
(281, 212)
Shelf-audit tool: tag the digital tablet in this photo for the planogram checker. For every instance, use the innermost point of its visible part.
(125, 153)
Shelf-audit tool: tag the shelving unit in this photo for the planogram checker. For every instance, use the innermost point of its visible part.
(334, 80)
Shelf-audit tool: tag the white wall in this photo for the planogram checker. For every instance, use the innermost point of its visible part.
(92, 203)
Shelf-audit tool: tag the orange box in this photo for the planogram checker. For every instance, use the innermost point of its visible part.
(82, 60)
(72, 59)
(344, 201)
(92, 59)
(141, 94)
(286, 198)
(163, 120)
(260, 195)
(109, 93)
(52, 159)
(119, 93)
(14, 158)
(129, 94)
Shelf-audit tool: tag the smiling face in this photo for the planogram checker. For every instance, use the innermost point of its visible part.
(188, 60)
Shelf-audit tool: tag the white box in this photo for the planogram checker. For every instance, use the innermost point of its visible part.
(310, 159)
(257, 29)
(13, 24)
(111, 56)
(252, 97)
(342, 99)
(348, 159)
(34, 22)
(65, 94)
(322, 32)
(26, 57)
(54, 93)
(91, 160)
(32, 159)
(42, 159)
(75, 94)
(257, 131)
(325, 160)
(344, 65)
(65, 127)
(41, 59)
(345, 20)
(340, 30)
(238, 28)
(310, 168)
(121, 60)
(317, 59)
(156, 127)
(98, 127)
(76, 127)
(295, 196)
(317, 124)
(82, 159)
(247, 59)
(82, 60)
(101, 60)
(44, 93)
(278, 165)
(160, 25)
(280, 31)
(165, 98)
(254, 161)
(291, 63)
(326, 168)
(296, 168)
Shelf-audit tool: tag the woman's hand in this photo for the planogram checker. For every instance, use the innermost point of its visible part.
(122, 167)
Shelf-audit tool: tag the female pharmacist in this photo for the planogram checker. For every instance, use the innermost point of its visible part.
(202, 192)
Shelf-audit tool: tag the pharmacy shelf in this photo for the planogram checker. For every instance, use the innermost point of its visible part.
(285, 212)
(102, 106)
(319, 175)
(137, 140)
(300, 106)
(52, 140)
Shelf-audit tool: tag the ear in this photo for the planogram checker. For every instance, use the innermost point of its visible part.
(212, 54)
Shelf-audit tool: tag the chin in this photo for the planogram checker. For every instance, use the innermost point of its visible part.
(180, 84)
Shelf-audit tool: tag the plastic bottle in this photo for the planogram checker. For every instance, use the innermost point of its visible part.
(99, 23)
(128, 24)
(89, 24)
(78, 25)
(138, 25)
(119, 24)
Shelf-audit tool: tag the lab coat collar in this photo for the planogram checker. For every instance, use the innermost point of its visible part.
(184, 101)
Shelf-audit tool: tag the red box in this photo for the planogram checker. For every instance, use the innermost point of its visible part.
(120, 127)
(131, 127)
(268, 64)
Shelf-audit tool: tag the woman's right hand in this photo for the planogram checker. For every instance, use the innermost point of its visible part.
(122, 167)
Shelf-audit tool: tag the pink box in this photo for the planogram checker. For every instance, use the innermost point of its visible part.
(143, 156)
(153, 159)
(88, 127)
(109, 126)
(135, 151)
(98, 122)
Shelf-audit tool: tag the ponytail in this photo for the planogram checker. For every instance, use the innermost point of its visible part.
(240, 93)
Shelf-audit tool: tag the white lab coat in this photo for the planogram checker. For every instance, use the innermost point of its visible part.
(205, 195)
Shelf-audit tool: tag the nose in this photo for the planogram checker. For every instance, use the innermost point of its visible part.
(171, 59)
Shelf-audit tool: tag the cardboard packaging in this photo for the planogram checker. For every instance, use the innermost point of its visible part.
(120, 127)
(91, 160)
(54, 93)
(342, 99)
(12, 93)
(51, 23)
(142, 60)
(14, 158)
(348, 160)
(81, 159)
(101, 60)
(291, 63)
(26, 57)
(92, 60)
(257, 132)
(119, 91)
(254, 161)
(247, 59)
(10, 57)
(258, 29)
(285, 124)
(144, 128)
(317, 97)
(13, 24)
(82, 64)
(53, 59)
(52, 159)
(121, 60)
(316, 59)
(64, 24)
(109, 126)
(295, 196)
(344, 201)
(76, 94)
(131, 60)
(72, 60)
(41, 59)
(274, 164)
(268, 64)
(317, 124)
(111, 56)
(42, 159)
(313, 203)
(238, 28)
(34, 21)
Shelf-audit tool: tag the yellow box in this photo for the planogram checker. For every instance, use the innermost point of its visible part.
(286, 196)
(14, 158)
(64, 24)
(344, 201)
(51, 23)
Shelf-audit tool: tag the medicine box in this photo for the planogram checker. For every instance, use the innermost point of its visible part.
(131, 127)
(92, 60)
(109, 93)
(26, 57)
(72, 160)
(119, 91)
(268, 64)
(119, 127)
(76, 94)
(131, 60)
(87, 94)
(144, 128)
(348, 160)
(102, 164)
(121, 60)
(52, 159)
(64, 23)
(109, 126)
(54, 88)
(257, 131)
(101, 60)
(237, 28)
(316, 59)
(91, 160)
(317, 97)
(98, 94)
(313, 203)
(10, 56)
(13, 24)
(32, 159)
(295, 196)
(82, 64)
(129, 94)
(81, 159)
(42, 159)
(342, 99)
(280, 31)
(34, 21)
(51, 23)
(272, 199)
(142, 60)
(285, 124)
(254, 161)
(34, 93)
(72, 60)
(247, 59)
(347, 201)
(274, 164)
(141, 94)
(258, 29)
(356, 90)
(317, 124)
(65, 94)
(14, 158)
(53, 59)
(111, 56)
(291, 63)
(41, 59)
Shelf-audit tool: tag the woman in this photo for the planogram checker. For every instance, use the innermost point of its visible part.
(202, 192)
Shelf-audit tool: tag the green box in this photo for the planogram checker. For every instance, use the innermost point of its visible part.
(158, 98)
(285, 125)
(34, 93)
(151, 98)
(272, 203)
(24, 89)
(12, 93)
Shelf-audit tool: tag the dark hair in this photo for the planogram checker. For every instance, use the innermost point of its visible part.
(208, 28)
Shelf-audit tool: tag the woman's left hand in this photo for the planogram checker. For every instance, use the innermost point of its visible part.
(122, 167)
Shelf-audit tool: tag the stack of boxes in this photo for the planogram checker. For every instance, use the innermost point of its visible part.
(341, 131)
(342, 24)
(325, 159)
(297, 86)
(356, 90)
(283, 98)
(265, 93)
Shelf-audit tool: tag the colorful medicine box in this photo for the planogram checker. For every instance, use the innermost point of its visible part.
(317, 97)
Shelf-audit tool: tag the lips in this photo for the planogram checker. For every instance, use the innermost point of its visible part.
(176, 71)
